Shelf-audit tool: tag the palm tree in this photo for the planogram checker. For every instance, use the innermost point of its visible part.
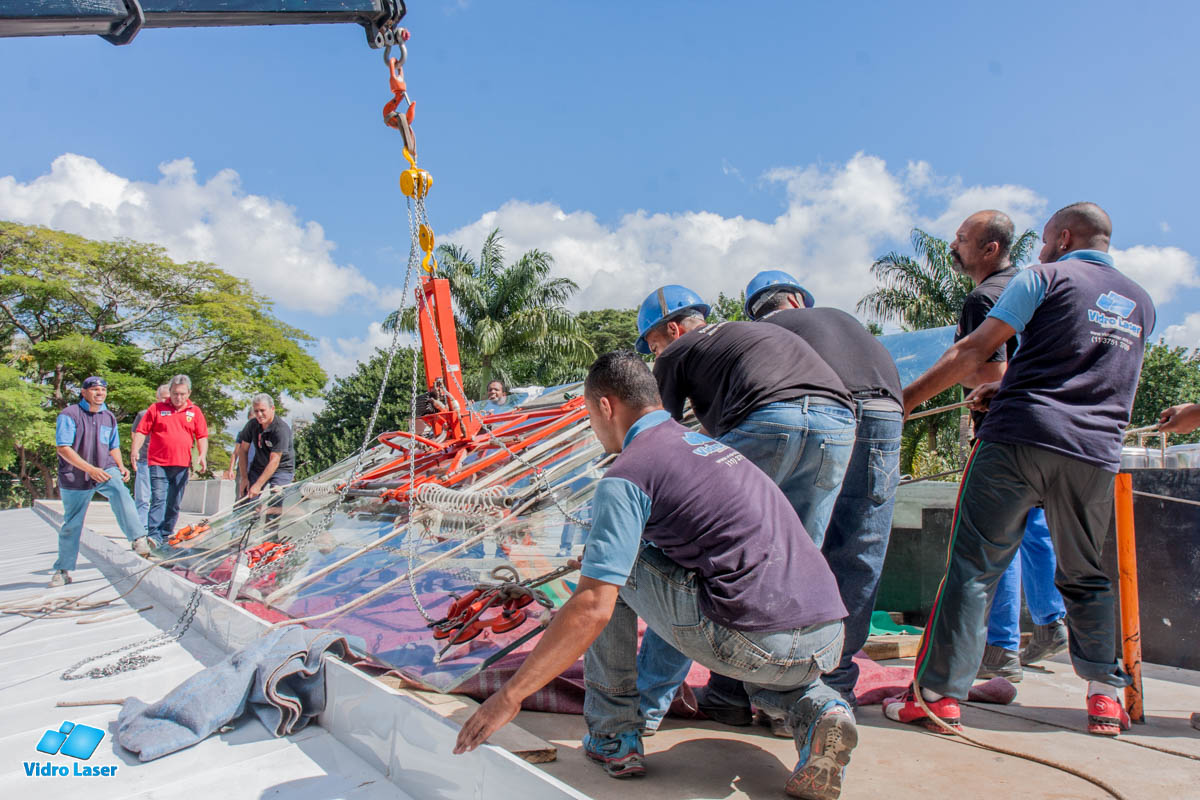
(508, 316)
(926, 292)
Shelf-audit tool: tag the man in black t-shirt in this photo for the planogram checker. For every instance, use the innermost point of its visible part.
(856, 539)
(274, 461)
(766, 393)
(981, 250)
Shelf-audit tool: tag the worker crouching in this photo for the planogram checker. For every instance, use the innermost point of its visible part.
(693, 538)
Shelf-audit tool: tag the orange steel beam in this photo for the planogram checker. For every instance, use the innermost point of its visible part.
(1131, 627)
(433, 301)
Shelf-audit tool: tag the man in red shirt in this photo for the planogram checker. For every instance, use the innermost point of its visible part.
(172, 427)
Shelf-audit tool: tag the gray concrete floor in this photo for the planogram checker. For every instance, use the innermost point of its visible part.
(705, 760)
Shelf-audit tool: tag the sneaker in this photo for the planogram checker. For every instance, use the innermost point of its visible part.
(1048, 640)
(620, 755)
(722, 711)
(906, 709)
(60, 578)
(1000, 663)
(778, 725)
(823, 759)
(1106, 717)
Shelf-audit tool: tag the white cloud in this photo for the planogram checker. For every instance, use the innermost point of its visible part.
(835, 222)
(301, 410)
(1186, 334)
(1160, 270)
(339, 356)
(1164, 227)
(248, 235)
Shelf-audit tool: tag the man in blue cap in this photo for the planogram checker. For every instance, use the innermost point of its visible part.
(767, 394)
(856, 539)
(89, 458)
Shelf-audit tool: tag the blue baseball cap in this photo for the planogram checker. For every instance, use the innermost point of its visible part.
(94, 380)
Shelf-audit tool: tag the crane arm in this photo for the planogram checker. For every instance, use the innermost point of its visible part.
(119, 21)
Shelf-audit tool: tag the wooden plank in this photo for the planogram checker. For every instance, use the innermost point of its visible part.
(904, 645)
(458, 708)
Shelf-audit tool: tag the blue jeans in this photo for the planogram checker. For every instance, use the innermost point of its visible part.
(141, 492)
(1034, 571)
(781, 669)
(75, 505)
(805, 448)
(856, 540)
(166, 494)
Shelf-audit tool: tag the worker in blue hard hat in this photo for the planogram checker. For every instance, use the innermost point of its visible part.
(767, 394)
(667, 304)
(856, 538)
(769, 283)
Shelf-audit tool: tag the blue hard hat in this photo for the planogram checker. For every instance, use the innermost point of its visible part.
(774, 279)
(662, 305)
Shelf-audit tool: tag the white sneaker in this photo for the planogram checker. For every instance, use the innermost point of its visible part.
(61, 578)
(141, 547)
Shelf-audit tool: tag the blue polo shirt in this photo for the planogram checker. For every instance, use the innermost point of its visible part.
(711, 511)
(1070, 385)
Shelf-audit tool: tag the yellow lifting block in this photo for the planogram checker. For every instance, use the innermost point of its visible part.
(415, 183)
(425, 237)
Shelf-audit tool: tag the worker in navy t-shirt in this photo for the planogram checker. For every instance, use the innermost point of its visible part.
(1053, 435)
(690, 536)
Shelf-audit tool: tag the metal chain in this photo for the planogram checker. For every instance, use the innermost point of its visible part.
(135, 657)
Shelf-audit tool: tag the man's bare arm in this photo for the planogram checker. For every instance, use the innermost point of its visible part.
(574, 628)
(988, 372)
(958, 363)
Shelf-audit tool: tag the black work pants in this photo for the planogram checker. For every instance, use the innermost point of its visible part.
(999, 486)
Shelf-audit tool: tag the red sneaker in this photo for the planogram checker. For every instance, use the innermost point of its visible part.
(906, 709)
(1106, 717)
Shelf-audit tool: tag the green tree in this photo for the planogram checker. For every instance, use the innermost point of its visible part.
(338, 430)
(513, 318)
(728, 309)
(71, 307)
(609, 328)
(1170, 375)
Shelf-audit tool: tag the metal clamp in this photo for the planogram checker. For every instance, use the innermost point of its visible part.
(123, 32)
(382, 32)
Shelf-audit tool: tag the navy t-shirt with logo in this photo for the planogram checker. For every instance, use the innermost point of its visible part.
(1069, 387)
(712, 511)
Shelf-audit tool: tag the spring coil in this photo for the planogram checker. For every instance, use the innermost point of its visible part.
(492, 501)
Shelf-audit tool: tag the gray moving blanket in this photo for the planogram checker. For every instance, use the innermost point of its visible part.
(279, 676)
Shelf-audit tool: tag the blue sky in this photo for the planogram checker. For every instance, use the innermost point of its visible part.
(639, 143)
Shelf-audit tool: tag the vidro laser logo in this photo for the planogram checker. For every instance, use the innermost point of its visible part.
(78, 742)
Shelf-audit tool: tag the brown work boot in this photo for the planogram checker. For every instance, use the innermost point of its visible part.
(1048, 640)
(1000, 663)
